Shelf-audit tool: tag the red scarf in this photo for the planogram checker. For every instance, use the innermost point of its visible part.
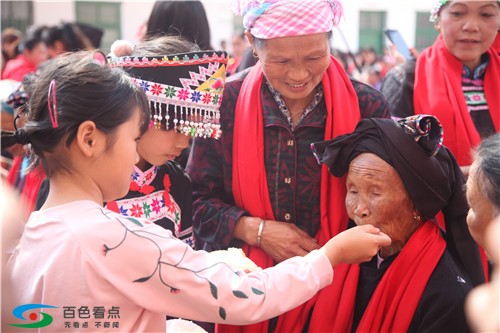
(496, 43)
(438, 91)
(31, 183)
(394, 301)
(249, 175)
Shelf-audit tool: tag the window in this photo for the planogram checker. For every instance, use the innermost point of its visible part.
(105, 15)
(17, 14)
(425, 32)
(371, 30)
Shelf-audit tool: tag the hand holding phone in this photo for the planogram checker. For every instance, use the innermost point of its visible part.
(396, 38)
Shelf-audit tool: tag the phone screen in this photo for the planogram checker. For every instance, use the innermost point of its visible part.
(396, 38)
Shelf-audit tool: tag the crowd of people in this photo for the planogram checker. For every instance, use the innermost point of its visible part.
(366, 190)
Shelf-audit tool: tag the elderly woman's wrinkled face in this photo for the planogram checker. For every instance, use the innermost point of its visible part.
(469, 28)
(481, 210)
(377, 196)
(295, 65)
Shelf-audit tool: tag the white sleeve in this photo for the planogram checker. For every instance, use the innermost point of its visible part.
(153, 269)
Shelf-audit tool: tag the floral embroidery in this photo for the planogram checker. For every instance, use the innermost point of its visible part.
(195, 96)
(156, 206)
(215, 99)
(147, 209)
(144, 85)
(123, 211)
(207, 98)
(156, 89)
(183, 94)
(136, 210)
(170, 92)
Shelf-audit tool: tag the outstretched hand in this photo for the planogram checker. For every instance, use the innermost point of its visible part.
(355, 245)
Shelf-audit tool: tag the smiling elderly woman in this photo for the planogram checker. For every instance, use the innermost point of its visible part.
(398, 178)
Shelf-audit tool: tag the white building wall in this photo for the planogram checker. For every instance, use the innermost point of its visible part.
(133, 15)
(53, 12)
(400, 15)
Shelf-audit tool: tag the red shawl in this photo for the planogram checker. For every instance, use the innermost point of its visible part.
(31, 183)
(249, 175)
(496, 43)
(394, 301)
(438, 91)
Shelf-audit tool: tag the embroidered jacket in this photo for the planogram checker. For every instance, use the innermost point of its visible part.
(163, 195)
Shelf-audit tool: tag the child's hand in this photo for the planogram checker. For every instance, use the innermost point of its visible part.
(355, 245)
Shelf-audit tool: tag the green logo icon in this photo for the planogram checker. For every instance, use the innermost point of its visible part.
(45, 319)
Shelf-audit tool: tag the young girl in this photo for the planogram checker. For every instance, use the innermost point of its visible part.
(160, 189)
(82, 264)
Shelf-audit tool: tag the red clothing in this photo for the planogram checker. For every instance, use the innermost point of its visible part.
(393, 304)
(28, 185)
(438, 91)
(249, 133)
(17, 68)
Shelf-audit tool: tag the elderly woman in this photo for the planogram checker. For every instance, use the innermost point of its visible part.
(259, 187)
(483, 303)
(483, 195)
(483, 188)
(457, 78)
(398, 178)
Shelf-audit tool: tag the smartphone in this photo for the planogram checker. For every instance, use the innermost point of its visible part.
(396, 38)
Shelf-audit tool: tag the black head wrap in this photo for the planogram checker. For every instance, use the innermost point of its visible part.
(428, 170)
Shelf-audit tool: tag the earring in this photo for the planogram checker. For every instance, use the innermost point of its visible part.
(416, 217)
(255, 55)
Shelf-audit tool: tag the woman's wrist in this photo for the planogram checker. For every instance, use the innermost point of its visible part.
(247, 229)
(261, 230)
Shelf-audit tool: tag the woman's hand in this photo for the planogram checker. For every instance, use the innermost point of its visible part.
(280, 240)
(355, 245)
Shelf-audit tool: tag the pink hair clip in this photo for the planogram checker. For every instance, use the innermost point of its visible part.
(99, 57)
(51, 97)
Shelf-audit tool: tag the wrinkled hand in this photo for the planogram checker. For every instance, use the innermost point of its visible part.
(281, 241)
(355, 245)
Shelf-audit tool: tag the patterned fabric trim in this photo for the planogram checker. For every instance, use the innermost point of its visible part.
(475, 98)
(173, 60)
(203, 95)
(146, 177)
(151, 207)
(473, 87)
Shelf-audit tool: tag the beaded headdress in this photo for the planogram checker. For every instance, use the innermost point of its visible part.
(184, 90)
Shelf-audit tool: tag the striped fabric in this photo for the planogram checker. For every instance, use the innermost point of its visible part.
(284, 18)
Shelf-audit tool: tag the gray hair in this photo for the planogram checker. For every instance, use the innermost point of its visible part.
(487, 159)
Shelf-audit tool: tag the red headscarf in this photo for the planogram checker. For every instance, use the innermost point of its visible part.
(438, 91)
(249, 176)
